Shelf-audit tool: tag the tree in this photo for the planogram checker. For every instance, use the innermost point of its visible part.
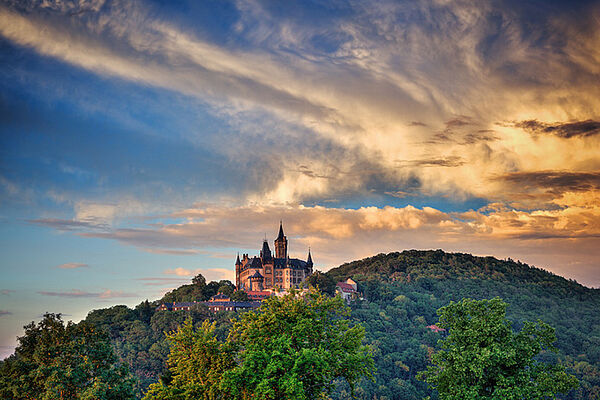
(322, 281)
(482, 358)
(58, 361)
(197, 362)
(226, 287)
(199, 280)
(295, 347)
(239, 295)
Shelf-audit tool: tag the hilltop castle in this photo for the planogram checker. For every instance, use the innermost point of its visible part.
(268, 272)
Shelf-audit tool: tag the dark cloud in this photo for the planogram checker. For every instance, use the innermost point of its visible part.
(417, 123)
(452, 161)
(482, 135)
(562, 129)
(459, 121)
(556, 181)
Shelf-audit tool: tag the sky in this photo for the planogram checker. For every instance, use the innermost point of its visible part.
(143, 142)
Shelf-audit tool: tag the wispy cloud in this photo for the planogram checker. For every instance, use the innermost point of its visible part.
(76, 293)
(4, 313)
(6, 292)
(72, 266)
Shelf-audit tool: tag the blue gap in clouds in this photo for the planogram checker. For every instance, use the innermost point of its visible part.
(65, 128)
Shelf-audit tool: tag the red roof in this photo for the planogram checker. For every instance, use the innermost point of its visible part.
(436, 328)
(346, 287)
(256, 294)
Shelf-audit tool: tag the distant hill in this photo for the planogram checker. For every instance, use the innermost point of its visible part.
(402, 292)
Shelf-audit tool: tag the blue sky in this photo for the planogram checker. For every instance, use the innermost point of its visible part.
(143, 142)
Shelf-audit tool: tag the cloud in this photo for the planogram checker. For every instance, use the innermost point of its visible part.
(555, 181)
(4, 313)
(76, 293)
(67, 225)
(6, 292)
(208, 273)
(566, 130)
(451, 161)
(72, 266)
(360, 105)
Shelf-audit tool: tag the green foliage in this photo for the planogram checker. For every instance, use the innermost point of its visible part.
(295, 347)
(482, 358)
(58, 361)
(239, 295)
(403, 292)
(324, 282)
(197, 362)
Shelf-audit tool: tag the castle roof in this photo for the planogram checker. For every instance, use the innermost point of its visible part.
(281, 235)
(257, 275)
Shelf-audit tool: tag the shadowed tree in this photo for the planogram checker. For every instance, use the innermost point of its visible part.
(58, 361)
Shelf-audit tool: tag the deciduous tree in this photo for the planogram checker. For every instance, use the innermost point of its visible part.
(483, 358)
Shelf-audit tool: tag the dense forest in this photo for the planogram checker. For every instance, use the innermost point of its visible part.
(400, 295)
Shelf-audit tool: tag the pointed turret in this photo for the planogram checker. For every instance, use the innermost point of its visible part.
(281, 243)
(309, 259)
(238, 262)
(265, 253)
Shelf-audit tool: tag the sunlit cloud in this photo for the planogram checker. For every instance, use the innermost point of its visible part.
(72, 266)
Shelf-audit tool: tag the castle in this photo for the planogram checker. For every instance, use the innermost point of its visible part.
(268, 272)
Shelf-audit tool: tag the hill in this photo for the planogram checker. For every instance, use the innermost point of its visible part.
(402, 292)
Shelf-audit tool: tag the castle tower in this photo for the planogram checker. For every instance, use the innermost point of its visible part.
(281, 243)
(256, 282)
(238, 266)
(309, 263)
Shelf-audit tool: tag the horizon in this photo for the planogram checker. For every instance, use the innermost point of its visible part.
(145, 142)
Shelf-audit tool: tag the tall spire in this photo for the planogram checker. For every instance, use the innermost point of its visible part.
(309, 260)
(281, 243)
(238, 262)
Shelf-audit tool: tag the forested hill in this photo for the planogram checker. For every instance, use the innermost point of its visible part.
(413, 265)
(402, 292)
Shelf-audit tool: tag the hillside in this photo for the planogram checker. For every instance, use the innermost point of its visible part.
(402, 292)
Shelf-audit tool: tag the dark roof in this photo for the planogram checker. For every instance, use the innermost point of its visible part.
(256, 275)
(220, 296)
(247, 304)
(281, 235)
(254, 262)
(266, 252)
(296, 263)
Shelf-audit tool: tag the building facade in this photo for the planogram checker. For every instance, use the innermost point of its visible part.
(268, 271)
